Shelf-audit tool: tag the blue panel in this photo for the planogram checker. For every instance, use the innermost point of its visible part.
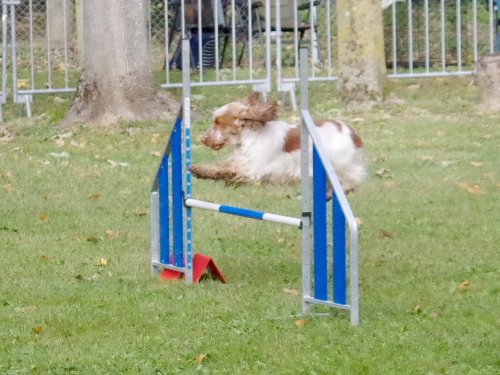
(319, 229)
(177, 198)
(241, 212)
(339, 253)
(164, 211)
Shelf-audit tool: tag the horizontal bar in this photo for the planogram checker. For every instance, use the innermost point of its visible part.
(216, 83)
(432, 74)
(67, 90)
(257, 215)
(316, 301)
(168, 267)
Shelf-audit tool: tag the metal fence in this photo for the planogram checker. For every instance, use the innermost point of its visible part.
(251, 42)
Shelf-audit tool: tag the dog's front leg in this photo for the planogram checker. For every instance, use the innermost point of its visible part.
(216, 172)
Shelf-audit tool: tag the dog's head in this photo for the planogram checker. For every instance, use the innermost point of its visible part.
(230, 120)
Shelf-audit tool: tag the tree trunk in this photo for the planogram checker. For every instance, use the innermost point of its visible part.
(61, 19)
(488, 80)
(361, 52)
(116, 82)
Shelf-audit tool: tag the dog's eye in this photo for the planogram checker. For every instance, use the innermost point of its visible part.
(217, 121)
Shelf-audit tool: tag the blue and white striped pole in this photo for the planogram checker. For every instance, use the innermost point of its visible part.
(257, 215)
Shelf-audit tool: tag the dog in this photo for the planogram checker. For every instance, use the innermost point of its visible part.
(268, 150)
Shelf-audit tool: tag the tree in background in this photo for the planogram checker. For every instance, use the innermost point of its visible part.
(361, 58)
(116, 81)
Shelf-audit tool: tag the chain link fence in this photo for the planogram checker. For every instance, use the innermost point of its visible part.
(47, 53)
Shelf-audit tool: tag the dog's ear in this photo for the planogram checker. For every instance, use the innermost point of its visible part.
(257, 111)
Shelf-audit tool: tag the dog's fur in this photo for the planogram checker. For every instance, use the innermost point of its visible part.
(269, 150)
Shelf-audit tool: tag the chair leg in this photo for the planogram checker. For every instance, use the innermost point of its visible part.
(223, 50)
(240, 57)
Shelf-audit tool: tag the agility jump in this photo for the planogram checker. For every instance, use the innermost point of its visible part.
(334, 285)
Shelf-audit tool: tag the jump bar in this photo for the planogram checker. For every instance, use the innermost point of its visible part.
(243, 212)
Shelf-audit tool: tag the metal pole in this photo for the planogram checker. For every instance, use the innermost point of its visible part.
(459, 36)
(426, 11)
(410, 37)
(186, 158)
(305, 188)
(4, 53)
(13, 51)
(394, 40)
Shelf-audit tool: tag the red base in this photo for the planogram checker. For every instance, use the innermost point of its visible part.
(200, 264)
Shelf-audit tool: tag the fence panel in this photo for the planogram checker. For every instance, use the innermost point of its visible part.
(228, 39)
(438, 38)
(46, 47)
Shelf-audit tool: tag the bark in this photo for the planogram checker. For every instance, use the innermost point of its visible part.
(488, 80)
(61, 18)
(361, 52)
(116, 82)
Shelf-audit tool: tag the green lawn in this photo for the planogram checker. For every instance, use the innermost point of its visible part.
(429, 250)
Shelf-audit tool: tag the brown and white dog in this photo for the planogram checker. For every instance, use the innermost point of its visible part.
(268, 149)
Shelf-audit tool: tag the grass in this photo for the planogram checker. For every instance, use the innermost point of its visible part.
(429, 244)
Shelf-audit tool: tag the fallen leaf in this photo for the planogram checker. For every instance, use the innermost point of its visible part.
(389, 184)
(8, 188)
(358, 220)
(384, 172)
(464, 285)
(417, 309)
(7, 174)
(293, 292)
(200, 358)
(5, 136)
(63, 135)
(22, 83)
(440, 133)
(471, 188)
(156, 154)
(44, 258)
(476, 164)
(300, 323)
(37, 329)
(114, 164)
(94, 197)
(426, 158)
(414, 87)
(435, 314)
(447, 163)
(384, 234)
(43, 218)
(140, 213)
(101, 262)
(77, 237)
(59, 155)
(112, 233)
(94, 277)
